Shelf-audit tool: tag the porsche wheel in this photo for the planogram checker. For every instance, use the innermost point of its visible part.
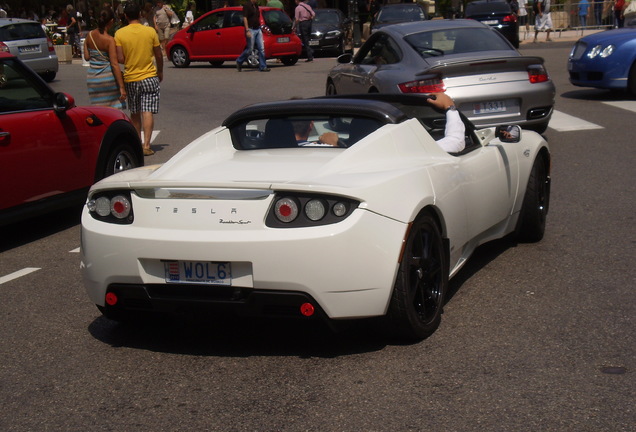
(531, 224)
(179, 57)
(331, 89)
(416, 304)
(121, 158)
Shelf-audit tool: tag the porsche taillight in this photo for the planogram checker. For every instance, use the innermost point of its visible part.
(429, 85)
(49, 42)
(537, 74)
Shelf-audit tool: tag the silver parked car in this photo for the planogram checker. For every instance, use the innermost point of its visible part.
(490, 81)
(27, 40)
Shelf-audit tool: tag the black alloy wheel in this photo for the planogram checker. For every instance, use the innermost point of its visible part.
(418, 296)
(536, 202)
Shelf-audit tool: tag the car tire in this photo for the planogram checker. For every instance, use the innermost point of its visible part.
(415, 310)
(49, 76)
(289, 61)
(631, 80)
(121, 157)
(536, 202)
(252, 59)
(180, 57)
(331, 89)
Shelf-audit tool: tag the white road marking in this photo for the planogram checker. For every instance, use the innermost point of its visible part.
(76, 250)
(154, 135)
(626, 105)
(18, 274)
(563, 122)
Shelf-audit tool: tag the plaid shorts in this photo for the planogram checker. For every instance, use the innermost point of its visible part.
(143, 96)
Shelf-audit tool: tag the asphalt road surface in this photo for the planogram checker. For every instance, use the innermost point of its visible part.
(535, 337)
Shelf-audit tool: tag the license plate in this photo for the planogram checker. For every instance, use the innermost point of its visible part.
(489, 107)
(490, 22)
(314, 43)
(29, 49)
(198, 272)
(282, 40)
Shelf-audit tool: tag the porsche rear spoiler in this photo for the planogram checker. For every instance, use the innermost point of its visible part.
(482, 65)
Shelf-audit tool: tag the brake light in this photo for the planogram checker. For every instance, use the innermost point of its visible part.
(537, 74)
(3, 47)
(510, 18)
(430, 85)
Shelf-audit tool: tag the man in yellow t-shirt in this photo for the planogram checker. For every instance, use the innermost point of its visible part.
(137, 47)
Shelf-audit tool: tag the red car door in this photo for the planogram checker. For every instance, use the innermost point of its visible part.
(42, 154)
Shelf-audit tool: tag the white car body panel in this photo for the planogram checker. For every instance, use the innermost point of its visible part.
(348, 267)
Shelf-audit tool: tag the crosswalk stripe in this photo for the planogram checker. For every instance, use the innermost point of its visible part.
(154, 135)
(563, 122)
(19, 273)
(626, 105)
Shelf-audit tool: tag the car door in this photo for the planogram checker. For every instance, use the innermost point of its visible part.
(490, 185)
(234, 40)
(379, 54)
(206, 39)
(42, 153)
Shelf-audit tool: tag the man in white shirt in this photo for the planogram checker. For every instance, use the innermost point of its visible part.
(454, 139)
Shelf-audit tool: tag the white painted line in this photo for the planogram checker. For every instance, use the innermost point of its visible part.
(18, 274)
(563, 122)
(626, 105)
(76, 250)
(154, 135)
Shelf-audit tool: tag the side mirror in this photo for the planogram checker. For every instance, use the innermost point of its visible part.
(62, 102)
(508, 133)
(344, 58)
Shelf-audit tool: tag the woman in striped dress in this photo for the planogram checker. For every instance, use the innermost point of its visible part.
(104, 79)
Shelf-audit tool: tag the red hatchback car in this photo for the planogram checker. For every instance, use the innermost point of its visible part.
(52, 151)
(219, 36)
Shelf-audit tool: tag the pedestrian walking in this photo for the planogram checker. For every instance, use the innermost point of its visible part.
(303, 17)
(253, 36)
(104, 79)
(543, 20)
(137, 46)
(163, 15)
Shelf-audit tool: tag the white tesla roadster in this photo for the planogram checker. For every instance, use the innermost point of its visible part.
(256, 219)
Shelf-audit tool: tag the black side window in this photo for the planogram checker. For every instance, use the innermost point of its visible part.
(383, 51)
(210, 22)
(18, 92)
(234, 19)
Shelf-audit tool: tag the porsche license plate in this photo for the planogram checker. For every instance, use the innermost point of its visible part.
(198, 272)
(489, 107)
(282, 40)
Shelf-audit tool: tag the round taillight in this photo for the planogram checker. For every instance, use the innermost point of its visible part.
(286, 210)
(102, 206)
(315, 209)
(120, 207)
(340, 209)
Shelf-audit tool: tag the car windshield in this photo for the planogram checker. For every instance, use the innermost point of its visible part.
(456, 41)
(400, 14)
(302, 131)
(326, 17)
(21, 31)
(277, 21)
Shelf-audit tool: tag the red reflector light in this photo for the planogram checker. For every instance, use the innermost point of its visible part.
(432, 85)
(307, 309)
(111, 299)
